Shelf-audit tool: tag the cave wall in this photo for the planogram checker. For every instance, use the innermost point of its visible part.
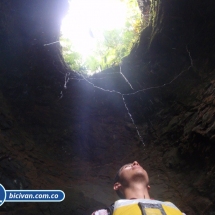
(74, 138)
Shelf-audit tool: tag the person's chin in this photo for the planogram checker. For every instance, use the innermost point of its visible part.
(139, 172)
(139, 169)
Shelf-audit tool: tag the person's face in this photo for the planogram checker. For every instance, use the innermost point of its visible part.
(133, 172)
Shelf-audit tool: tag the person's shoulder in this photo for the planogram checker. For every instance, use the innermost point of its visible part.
(101, 212)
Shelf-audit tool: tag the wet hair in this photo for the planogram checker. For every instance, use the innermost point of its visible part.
(117, 179)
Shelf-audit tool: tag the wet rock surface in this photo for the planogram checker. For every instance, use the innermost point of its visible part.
(75, 138)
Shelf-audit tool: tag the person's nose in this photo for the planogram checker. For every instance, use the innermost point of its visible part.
(135, 163)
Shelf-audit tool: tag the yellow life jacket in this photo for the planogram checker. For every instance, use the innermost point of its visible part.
(145, 207)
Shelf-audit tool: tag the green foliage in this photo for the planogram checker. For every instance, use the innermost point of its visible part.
(116, 44)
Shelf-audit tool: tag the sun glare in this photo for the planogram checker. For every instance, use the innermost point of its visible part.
(87, 19)
(84, 31)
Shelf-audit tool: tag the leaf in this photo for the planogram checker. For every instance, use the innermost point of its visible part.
(116, 43)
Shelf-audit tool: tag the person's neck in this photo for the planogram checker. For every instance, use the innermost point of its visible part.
(136, 191)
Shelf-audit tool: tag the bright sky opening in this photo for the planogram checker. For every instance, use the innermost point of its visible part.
(86, 22)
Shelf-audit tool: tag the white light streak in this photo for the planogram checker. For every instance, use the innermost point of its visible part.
(125, 77)
(48, 44)
(138, 133)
